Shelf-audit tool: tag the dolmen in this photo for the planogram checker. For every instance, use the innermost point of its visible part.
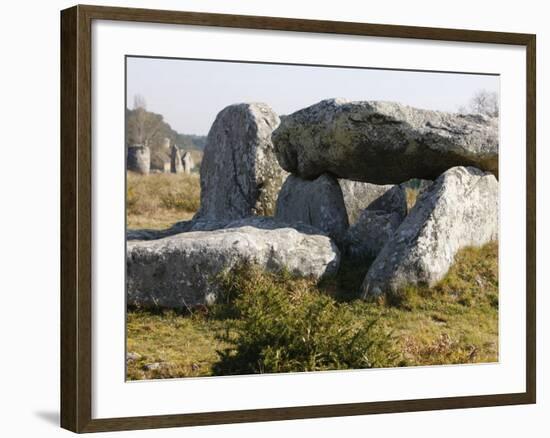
(300, 192)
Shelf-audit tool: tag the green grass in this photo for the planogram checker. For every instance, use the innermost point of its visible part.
(276, 323)
(457, 320)
(183, 345)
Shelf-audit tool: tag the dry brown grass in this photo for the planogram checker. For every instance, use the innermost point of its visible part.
(411, 195)
(158, 200)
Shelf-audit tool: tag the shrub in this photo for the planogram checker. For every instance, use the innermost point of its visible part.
(285, 325)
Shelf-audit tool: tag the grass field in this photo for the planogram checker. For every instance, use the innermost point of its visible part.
(454, 322)
(157, 201)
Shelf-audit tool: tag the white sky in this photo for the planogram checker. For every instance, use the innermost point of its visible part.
(190, 93)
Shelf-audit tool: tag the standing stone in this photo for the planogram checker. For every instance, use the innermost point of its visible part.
(187, 162)
(383, 142)
(359, 196)
(181, 270)
(176, 165)
(165, 144)
(368, 235)
(318, 203)
(240, 175)
(139, 159)
(160, 159)
(460, 209)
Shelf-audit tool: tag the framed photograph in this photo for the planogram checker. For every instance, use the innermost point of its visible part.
(270, 218)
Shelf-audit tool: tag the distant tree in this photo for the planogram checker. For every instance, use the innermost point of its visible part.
(142, 126)
(190, 141)
(150, 129)
(483, 102)
(139, 102)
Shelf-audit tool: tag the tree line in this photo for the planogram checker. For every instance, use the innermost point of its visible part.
(147, 128)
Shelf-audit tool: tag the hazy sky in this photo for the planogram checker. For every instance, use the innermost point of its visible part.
(189, 94)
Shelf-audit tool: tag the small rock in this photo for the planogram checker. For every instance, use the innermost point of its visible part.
(154, 366)
(132, 356)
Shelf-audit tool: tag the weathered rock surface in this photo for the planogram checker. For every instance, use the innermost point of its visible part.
(240, 175)
(187, 162)
(383, 142)
(180, 270)
(460, 209)
(177, 228)
(318, 203)
(359, 196)
(176, 165)
(423, 185)
(368, 235)
(139, 159)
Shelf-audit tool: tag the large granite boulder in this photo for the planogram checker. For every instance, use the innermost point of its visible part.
(383, 142)
(318, 203)
(181, 270)
(138, 159)
(459, 209)
(240, 175)
(368, 235)
(359, 196)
